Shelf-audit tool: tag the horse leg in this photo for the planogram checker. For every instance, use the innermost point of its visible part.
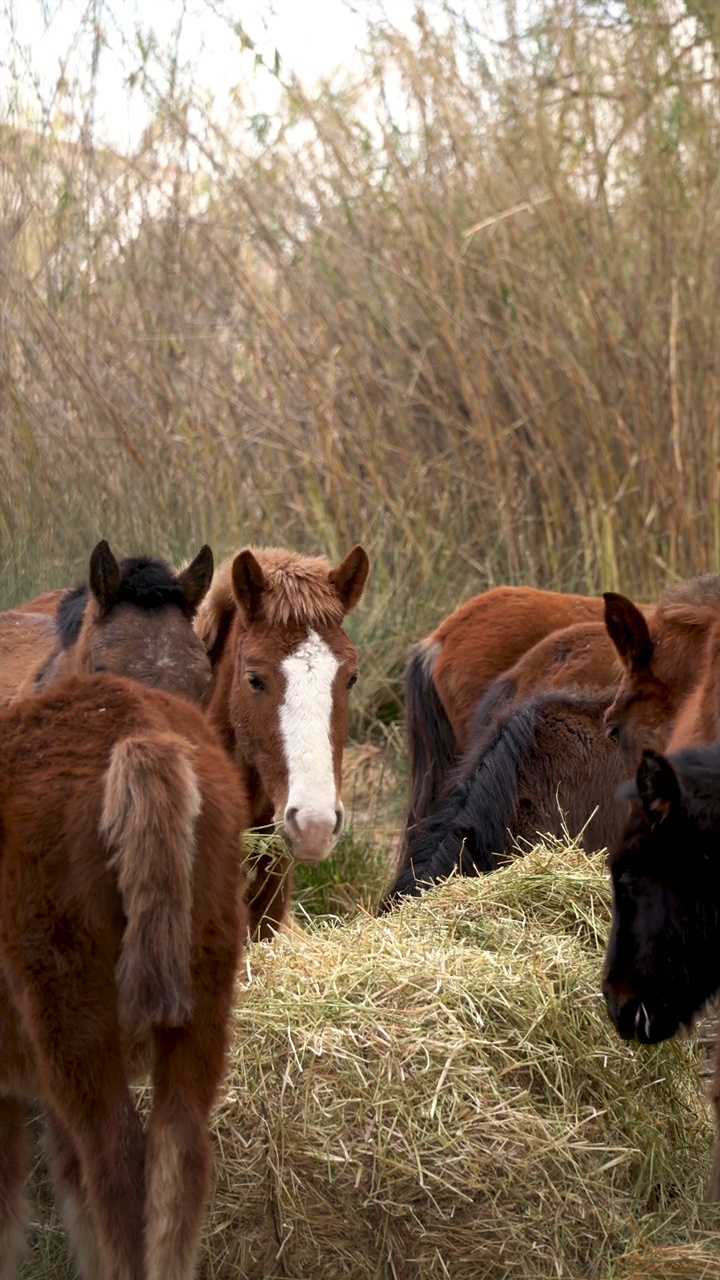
(70, 1017)
(188, 1069)
(713, 1193)
(13, 1175)
(269, 896)
(66, 1174)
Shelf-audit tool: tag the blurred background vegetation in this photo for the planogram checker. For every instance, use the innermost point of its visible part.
(462, 307)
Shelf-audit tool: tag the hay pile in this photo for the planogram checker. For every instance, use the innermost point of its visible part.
(439, 1094)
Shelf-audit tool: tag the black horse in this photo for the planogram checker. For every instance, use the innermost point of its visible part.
(663, 956)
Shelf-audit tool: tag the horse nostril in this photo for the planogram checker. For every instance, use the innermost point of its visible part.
(291, 818)
(339, 821)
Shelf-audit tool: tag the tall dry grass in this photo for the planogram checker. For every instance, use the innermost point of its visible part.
(464, 310)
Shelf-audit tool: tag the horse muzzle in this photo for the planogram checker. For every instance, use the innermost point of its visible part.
(637, 1019)
(311, 833)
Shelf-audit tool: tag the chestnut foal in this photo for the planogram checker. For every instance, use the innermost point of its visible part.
(283, 667)
(121, 920)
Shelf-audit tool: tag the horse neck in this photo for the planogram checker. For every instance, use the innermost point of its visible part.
(679, 662)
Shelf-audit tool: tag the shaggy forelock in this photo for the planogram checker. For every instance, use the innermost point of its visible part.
(298, 591)
(145, 582)
(150, 584)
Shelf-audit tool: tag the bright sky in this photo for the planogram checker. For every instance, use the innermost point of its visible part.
(313, 39)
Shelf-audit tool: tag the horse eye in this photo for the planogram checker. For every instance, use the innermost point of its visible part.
(613, 731)
(353, 679)
(255, 682)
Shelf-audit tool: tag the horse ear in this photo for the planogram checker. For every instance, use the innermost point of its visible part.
(657, 786)
(349, 577)
(104, 576)
(628, 631)
(195, 579)
(249, 584)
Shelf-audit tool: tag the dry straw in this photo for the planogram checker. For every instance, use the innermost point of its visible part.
(439, 1093)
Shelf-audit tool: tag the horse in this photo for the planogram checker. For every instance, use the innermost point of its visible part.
(26, 641)
(283, 667)
(698, 718)
(663, 955)
(663, 660)
(47, 602)
(508, 780)
(121, 927)
(546, 766)
(134, 618)
(580, 656)
(451, 668)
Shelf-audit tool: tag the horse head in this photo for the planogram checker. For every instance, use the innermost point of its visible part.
(284, 667)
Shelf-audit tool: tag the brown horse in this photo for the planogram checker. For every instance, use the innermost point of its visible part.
(121, 921)
(133, 618)
(579, 657)
(663, 955)
(545, 766)
(26, 641)
(449, 671)
(536, 760)
(664, 658)
(520, 758)
(283, 669)
(47, 602)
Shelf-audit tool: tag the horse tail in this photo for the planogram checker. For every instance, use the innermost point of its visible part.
(430, 737)
(470, 826)
(151, 802)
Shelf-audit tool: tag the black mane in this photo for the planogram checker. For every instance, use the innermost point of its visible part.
(144, 582)
(69, 616)
(528, 753)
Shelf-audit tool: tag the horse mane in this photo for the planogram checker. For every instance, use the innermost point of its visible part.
(298, 590)
(145, 582)
(69, 616)
(693, 603)
(468, 831)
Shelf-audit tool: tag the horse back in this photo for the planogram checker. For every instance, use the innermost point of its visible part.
(57, 750)
(581, 655)
(46, 603)
(27, 641)
(488, 634)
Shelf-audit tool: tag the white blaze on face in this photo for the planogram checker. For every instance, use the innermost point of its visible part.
(305, 717)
